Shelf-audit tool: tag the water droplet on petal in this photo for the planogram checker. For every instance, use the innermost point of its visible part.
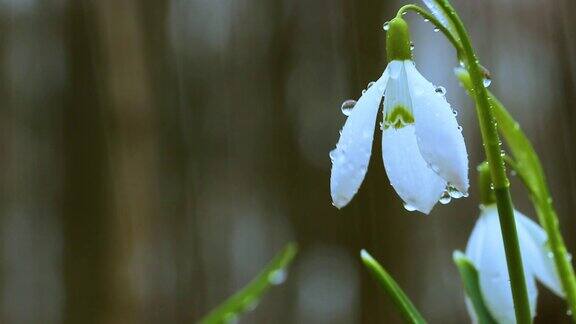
(445, 198)
(460, 128)
(454, 193)
(486, 81)
(454, 112)
(440, 90)
(436, 30)
(277, 277)
(409, 207)
(332, 155)
(347, 107)
(426, 19)
(386, 26)
(371, 83)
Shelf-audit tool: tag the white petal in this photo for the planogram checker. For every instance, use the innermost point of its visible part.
(352, 154)
(475, 246)
(536, 254)
(409, 174)
(439, 138)
(493, 271)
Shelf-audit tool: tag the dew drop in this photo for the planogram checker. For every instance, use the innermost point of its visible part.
(460, 128)
(230, 318)
(386, 26)
(440, 90)
(569, 312)
(333, 154)
(381, 126)
(454, 112)
(371, 83)
(277, 277)
(436, 30)
(347, 107)
(446, 198)
(251, 305)
(411, 46)
(486, 76)
(426, 19)
(454, 193)
(409, 207)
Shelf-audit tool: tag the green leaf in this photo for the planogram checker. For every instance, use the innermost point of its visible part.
(248, 297)
(402, 302)
(469, 276)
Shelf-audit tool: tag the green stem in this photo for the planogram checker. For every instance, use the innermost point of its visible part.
(484, 183)
(491, 140)
(437, 24)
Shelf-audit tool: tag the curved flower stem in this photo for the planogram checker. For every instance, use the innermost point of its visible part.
(491, 140)
(437, 24)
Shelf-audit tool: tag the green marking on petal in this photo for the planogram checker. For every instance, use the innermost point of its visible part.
(398, 117)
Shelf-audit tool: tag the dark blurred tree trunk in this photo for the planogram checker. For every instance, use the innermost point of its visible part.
(86, 212)
(133, 157)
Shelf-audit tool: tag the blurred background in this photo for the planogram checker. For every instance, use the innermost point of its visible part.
(156, 154)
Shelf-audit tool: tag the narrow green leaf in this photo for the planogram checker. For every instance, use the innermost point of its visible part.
(248, 297)
(469, 276)
(402, 302)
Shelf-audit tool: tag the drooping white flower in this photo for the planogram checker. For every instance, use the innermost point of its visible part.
(486, 251)
(422, 145)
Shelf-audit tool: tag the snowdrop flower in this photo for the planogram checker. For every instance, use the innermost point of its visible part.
(422, 145)
(486, 251)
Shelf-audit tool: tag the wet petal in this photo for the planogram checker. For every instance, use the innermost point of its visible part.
(352, 154)
(439, 138)
(536, 253)
(409, 174)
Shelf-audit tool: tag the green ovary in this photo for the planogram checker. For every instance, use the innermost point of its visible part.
(398, 117)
